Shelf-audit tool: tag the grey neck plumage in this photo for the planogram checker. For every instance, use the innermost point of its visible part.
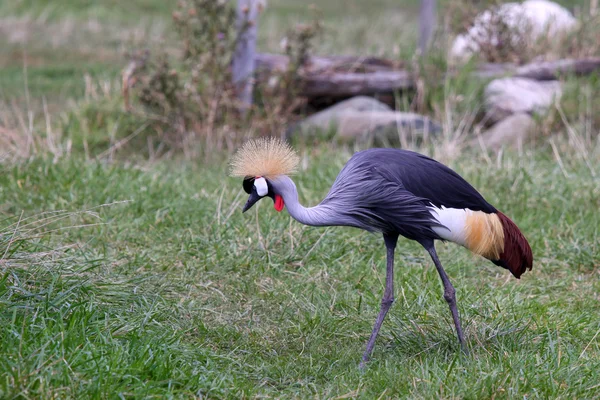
(320, 215)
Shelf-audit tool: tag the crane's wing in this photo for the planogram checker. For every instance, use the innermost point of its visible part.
(425, 178)
(364, 196)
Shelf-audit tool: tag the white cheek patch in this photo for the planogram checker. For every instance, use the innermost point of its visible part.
(261, 186)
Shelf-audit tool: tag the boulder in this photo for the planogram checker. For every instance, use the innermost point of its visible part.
(384, 126)
(529, 20)
(325, 118)
(507, 96)
(363, 118)
(511, 132)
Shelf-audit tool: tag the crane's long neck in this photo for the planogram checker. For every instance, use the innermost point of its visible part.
(320, 215)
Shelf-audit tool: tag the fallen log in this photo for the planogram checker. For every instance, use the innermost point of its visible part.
(353, 84)
(351, 76)
(317, 64)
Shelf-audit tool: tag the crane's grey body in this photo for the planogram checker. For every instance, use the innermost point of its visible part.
(389, 191)
(371, 204)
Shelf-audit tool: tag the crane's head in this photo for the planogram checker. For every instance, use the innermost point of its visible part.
(259, 161)
(259, 187)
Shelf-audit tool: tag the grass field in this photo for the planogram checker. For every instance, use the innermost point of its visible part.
(143, 279)
(149, 281)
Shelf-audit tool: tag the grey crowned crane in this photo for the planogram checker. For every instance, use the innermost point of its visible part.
(396, 193)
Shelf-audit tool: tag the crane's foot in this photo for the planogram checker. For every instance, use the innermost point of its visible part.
(362, 365)
(385, 305)
(364, 360)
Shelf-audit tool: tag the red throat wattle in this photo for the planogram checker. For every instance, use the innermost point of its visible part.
(279, 202)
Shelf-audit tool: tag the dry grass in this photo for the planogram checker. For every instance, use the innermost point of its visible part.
(23, 134)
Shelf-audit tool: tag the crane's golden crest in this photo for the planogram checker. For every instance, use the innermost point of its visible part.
(267, 157)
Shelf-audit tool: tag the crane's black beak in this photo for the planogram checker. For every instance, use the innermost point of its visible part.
(252, 199)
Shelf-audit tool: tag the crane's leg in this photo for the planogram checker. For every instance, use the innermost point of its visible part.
(388, 296)
(449, 292)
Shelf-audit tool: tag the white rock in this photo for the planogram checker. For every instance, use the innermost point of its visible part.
(511, 132)
(384, 125)
(363, 118)
(325, 118)
(507, 96)
(530, 19)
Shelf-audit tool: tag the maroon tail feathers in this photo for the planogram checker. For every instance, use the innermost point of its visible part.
(517, 256)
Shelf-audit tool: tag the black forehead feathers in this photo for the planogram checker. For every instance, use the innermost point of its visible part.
(248, 184)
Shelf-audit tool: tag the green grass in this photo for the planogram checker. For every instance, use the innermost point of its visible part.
(176, 292)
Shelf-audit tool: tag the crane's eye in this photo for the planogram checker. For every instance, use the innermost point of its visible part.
(248, 185)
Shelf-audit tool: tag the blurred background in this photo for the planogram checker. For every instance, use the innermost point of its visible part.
(86, 64)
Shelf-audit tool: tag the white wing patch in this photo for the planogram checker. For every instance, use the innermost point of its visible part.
(454, 220)
(261, 186)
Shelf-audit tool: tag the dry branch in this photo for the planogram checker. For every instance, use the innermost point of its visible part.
(242, 67)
